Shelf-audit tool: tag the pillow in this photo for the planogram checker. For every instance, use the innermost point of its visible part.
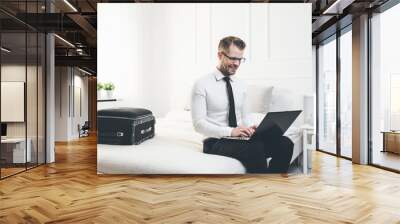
(284, 100)
(259, 98)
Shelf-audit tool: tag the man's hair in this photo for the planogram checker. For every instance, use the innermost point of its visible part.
(226, 42)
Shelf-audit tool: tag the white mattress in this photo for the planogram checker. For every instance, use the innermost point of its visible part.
(176, 149)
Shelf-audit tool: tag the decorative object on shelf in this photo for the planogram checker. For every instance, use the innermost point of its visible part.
(109, 88)
(100, 86)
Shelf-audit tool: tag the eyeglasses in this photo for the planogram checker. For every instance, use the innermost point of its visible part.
(241, 60)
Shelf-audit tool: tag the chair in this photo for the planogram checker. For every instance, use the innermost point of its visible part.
(84, 130)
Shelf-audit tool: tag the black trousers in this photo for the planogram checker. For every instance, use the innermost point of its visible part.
(253, 154)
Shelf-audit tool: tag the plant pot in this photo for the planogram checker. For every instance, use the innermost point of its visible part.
(99, 94)
(109, 94)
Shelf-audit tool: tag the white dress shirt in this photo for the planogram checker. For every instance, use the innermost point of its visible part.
(210, 105)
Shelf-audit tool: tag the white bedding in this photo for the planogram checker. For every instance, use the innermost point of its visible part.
(176, 149)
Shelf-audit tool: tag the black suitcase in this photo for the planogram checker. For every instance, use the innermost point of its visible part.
(124, 126)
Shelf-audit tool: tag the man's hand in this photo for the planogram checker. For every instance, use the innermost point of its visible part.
(254, 127)
(243, 131)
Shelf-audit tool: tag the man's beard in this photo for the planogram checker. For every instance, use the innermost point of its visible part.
(225, 70)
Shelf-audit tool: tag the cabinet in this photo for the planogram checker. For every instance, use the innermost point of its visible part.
(391, 141)
(13, 151)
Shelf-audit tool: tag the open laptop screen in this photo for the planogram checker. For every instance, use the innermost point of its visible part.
(276, 123)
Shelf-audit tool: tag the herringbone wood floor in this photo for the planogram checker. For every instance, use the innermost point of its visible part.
(70, 191)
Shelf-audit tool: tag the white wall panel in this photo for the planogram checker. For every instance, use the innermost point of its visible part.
(166, 47)
(259, 34)
(118, 46)
(205, 56)
(71, 102)
(229, 20)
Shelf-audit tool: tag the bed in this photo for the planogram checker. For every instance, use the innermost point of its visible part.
(175, 149)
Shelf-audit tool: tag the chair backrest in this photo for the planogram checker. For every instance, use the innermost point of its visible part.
(86, 125)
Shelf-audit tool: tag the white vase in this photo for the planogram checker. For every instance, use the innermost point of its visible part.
(109, 94)
(99, 94)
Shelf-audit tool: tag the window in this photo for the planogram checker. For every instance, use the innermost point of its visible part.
(346, 94)
(385, 86)
(22, 75)
(327, 97)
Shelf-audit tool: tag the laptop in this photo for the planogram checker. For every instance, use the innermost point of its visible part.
(274, 124)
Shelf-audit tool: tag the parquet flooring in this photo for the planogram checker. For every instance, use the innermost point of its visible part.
(10, 171)
(70, 191)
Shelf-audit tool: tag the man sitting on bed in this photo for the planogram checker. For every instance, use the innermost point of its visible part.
(219, 109)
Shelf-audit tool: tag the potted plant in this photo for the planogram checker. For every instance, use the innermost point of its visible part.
(109, 88)
(100, 86)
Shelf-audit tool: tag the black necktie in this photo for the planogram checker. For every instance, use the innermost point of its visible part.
(232, 114)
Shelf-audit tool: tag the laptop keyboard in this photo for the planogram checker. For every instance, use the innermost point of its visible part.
(238, 138)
